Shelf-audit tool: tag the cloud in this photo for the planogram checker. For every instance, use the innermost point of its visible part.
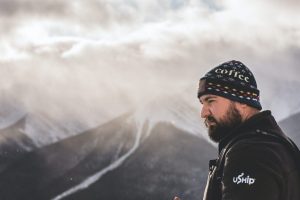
(78, 58)
(15, 8)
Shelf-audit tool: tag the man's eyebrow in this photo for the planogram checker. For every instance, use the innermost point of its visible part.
(207, 98)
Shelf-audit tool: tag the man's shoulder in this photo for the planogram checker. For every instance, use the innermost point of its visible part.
(260, 148)
(255, 140)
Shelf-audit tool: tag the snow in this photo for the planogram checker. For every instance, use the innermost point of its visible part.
(92, 179)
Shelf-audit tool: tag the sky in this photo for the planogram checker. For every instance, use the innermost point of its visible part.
(93, 60)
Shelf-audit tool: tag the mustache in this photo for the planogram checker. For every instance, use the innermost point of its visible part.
(210, 119)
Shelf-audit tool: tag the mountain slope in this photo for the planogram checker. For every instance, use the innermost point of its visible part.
(291, 127)
(170, 162)
(13, 143)
(92, 150)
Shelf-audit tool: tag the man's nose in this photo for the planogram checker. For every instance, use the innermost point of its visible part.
(204, 112)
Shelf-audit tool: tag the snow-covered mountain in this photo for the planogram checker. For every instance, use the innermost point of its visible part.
(123, 159)
(169, 162)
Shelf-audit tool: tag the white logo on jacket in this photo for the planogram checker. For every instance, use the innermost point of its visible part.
(240, 179)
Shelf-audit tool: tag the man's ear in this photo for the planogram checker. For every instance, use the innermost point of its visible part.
(243, 105)
(245, 110)
(242, 108)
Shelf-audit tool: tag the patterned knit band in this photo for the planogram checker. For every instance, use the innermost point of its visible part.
(232, 80)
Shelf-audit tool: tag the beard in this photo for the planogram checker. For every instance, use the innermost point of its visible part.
(222, 127)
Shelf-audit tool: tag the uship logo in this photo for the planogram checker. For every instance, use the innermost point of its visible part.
(241, 179)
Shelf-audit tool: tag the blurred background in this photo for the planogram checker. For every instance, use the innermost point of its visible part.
(98, 98)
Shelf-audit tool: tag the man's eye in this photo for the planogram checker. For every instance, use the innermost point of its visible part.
(210, 100)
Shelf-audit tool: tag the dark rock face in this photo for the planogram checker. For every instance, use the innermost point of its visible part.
(168, 162)
(13, 144)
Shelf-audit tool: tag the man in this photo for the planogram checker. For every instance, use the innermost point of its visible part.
(256, 166)
(254, 162)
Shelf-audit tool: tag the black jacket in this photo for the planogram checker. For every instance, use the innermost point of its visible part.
(254, 167)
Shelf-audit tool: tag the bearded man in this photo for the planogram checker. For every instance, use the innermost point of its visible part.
(257, 161)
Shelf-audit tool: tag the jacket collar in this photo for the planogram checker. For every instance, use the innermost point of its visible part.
(263, 121)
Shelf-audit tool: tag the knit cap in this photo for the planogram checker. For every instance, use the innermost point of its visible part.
(232, 80)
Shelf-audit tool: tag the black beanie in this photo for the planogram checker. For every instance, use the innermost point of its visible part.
(232, 80)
